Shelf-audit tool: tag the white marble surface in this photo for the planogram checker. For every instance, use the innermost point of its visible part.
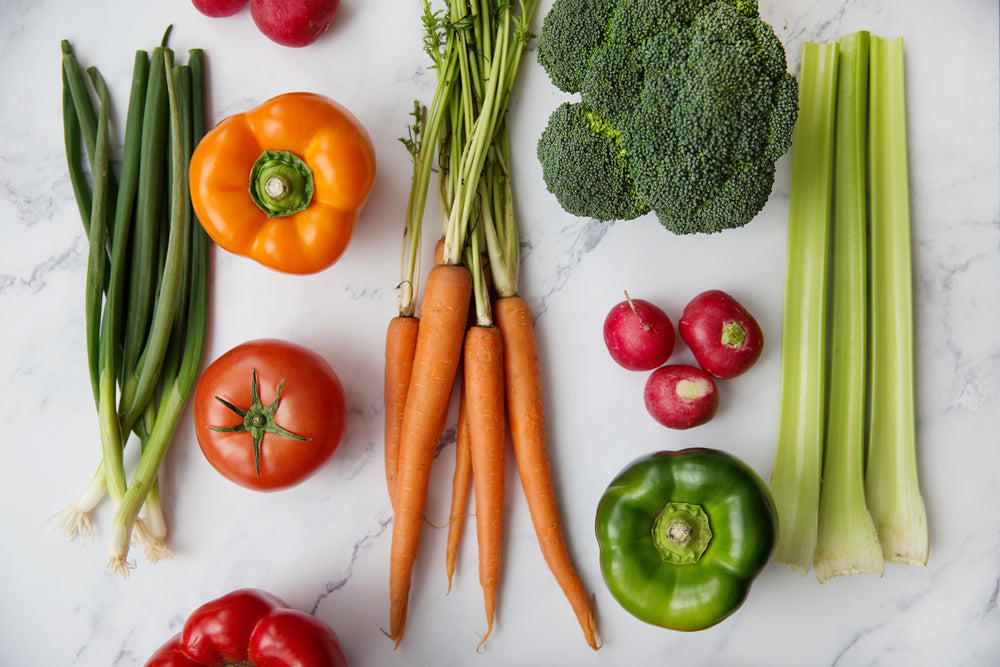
(324, 545)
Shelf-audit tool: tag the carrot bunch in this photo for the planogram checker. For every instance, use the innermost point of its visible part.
(473, 330)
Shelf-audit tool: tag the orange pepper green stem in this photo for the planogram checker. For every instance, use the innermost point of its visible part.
(284, 183)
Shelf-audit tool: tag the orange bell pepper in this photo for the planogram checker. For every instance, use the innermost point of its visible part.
(284, 183)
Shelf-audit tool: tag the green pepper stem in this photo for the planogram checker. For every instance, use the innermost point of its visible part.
(681, 533)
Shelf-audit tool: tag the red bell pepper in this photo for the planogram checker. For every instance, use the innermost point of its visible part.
(250, 628)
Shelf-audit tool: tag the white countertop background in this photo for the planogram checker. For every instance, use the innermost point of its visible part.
(324, 545)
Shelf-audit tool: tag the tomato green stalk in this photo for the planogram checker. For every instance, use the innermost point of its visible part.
(892, 484)
(795, 477)
(847, 542)
(258, 419)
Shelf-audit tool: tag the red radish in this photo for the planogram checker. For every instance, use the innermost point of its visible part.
(219, 8)
(638, 334)
(723, 336)
(681, 396)
(293, 22)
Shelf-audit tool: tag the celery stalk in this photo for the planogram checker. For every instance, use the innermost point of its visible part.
(795, 477)
(847, 542)
(891, 477)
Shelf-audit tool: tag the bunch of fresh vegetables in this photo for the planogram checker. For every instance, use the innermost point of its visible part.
(683, 534)
(284, 183)
(476, 49)
(723, 336)
(146, 293)
(293, 23)
(684, 109)
(250, 627)
(849, 199)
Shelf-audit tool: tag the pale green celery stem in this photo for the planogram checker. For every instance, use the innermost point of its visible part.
(847, 542)
(795, 477)
(892, 484)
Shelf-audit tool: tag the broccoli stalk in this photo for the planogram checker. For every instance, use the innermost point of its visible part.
(684, 109)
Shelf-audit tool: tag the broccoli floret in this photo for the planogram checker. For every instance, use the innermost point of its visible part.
(569, 37)
(597, 184)
(695, 94)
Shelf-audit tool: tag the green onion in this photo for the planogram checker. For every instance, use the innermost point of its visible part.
(150, 266)
(795, 478)
(137, 393)
(86, 117)
(73, 137)
(123, 220)
(147, 245)
(97, 260)
(892, 484)
(110, 427)
(75, 91)
(847, 542)
(160, 335)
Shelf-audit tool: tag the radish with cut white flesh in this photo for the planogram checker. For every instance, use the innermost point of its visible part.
(681, 396)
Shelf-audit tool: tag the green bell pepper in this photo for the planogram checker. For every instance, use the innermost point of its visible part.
(683, 535)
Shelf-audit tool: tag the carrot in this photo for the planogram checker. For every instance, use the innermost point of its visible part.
(522, 380)
(443, 316)
(460, 485)
(400, 343)
(485, 406)
(439, 251)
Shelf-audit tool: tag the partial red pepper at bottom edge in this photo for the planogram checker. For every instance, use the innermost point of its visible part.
(250, 628)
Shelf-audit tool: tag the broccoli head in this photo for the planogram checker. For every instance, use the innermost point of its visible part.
(685, 106)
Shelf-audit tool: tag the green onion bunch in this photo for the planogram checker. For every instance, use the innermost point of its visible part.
(146, 293)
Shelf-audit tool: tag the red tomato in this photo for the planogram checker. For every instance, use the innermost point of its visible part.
(269, 413)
